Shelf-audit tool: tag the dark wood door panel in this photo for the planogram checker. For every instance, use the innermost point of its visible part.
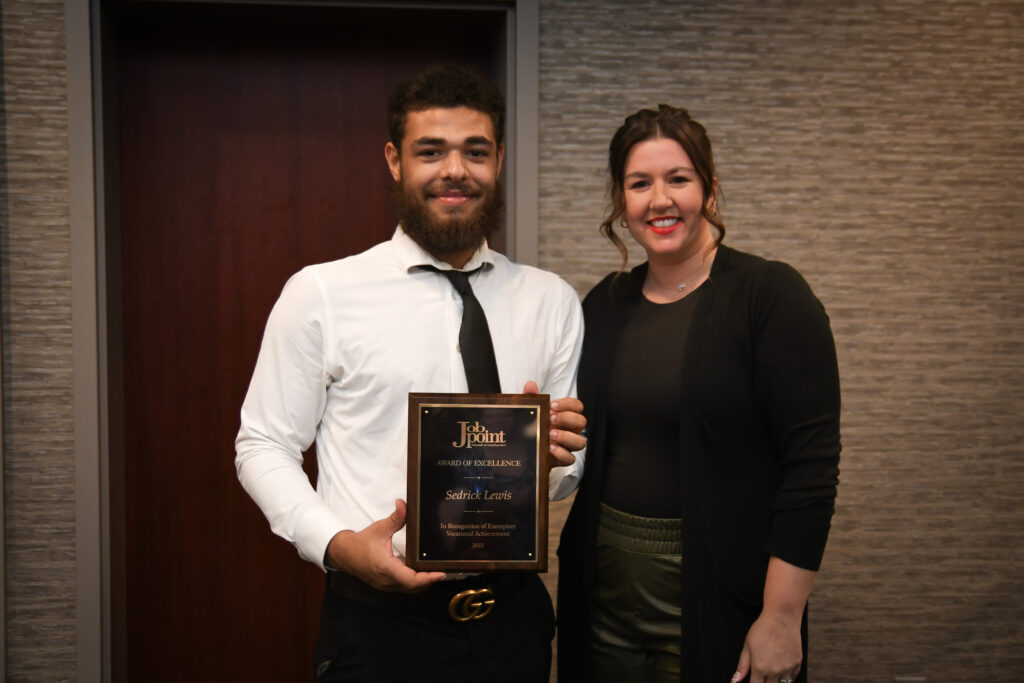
(250, 144)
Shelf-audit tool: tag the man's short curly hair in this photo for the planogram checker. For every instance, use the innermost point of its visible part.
(447, 86)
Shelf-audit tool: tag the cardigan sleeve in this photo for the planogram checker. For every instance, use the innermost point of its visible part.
(797, 383)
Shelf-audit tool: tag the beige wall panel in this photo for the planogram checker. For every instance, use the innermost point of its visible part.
(38, 439)
(879, 148)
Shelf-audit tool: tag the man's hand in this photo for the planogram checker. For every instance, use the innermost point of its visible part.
(567, 422)
(367, 555)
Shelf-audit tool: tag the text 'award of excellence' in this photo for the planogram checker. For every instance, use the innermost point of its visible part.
(478, 482)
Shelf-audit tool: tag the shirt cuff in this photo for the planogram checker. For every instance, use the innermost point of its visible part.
(562, 481)
(314, 534)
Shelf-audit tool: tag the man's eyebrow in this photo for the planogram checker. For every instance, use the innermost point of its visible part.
(479, 140)
(429, 142)
(473, 140)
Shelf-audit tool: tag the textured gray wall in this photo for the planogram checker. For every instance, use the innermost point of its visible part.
(38, 451)
(879, 148)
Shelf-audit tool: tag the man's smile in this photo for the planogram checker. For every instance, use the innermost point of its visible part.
(453, 198)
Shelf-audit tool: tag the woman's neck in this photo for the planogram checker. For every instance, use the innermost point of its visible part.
(670, 279)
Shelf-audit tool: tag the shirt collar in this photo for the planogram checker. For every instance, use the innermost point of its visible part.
(411, 255)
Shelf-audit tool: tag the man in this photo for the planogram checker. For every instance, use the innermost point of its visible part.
(345, 344)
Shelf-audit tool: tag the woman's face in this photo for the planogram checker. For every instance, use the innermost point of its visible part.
(664, 198)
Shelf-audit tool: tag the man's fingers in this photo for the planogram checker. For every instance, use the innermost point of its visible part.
(570, 421)
(563, 443)
(405, 578)
(567, 405)
(394, 576)
(559, 457)
(398, 516)
(531, 388)
(570, 441)
(393, 522)
(421, 581)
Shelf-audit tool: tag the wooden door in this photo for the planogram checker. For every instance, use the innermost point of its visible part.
(246, 143)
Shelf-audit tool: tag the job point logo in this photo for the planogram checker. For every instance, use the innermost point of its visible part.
(475, 434)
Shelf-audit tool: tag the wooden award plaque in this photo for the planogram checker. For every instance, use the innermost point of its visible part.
(478, 482)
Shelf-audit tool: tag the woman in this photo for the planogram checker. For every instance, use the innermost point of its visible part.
(710, 382)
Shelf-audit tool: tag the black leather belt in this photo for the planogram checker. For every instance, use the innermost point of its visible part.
(463, 600)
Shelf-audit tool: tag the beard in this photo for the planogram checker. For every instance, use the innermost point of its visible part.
(442, 236)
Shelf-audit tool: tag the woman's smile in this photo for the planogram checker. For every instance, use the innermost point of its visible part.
(664, 225)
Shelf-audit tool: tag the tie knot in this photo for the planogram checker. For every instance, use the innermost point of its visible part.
(459, 280)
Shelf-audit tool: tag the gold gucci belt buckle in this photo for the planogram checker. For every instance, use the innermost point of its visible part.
(471, 604)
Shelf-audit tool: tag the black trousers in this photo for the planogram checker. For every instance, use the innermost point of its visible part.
(378, 643)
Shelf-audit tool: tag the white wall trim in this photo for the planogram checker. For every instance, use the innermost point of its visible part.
(524, 92)
(90, 548)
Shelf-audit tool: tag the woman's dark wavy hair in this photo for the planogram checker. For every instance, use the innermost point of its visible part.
(446, 86)
(673, 123)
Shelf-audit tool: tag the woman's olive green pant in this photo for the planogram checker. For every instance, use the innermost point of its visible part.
(635, 633)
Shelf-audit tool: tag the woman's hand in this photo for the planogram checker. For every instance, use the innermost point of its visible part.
(771, 652)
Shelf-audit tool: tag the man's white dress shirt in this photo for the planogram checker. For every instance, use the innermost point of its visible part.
(345, 344)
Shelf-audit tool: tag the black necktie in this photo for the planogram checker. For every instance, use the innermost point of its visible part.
(474, 337)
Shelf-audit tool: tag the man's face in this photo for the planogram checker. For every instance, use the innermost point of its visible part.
(447, 173)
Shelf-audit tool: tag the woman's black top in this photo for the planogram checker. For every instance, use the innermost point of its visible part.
(642, 465)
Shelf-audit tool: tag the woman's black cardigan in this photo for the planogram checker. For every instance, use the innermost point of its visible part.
(758, 453)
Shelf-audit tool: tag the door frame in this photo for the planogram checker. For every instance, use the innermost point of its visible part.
(88, 218)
